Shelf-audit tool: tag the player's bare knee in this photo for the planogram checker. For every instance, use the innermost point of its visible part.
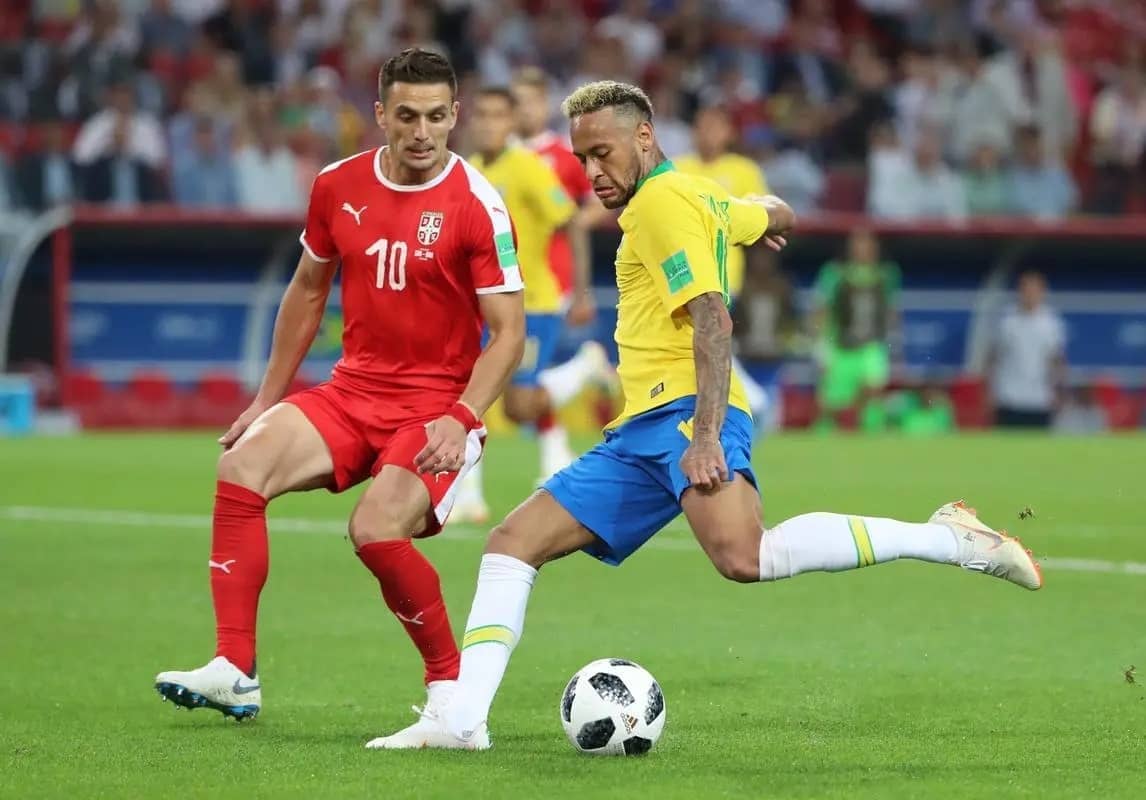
(519, 406)
(508, 539)
(372, 523)
(738, 563)
(242, 465)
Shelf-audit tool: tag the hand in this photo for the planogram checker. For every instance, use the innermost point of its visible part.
(775, 241)
(703, 465)
(445, 449)
(239, 426)
(582, 311)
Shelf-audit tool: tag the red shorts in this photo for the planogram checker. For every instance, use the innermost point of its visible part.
(363, 434)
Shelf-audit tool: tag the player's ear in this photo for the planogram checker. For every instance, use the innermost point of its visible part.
(380, 114)
(645, 135)
(454, 114)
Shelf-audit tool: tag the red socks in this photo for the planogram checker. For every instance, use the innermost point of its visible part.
(238, 568)
(411, 589)
(545, 422)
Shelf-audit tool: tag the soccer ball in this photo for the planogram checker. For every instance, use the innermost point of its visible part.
(613, 707)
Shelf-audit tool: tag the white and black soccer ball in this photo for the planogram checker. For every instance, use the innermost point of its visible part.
(613, 707)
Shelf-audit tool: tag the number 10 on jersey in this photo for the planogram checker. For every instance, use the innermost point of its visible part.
(391, 264)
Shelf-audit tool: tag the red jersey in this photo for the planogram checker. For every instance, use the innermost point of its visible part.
(414, 260)
(572, 176)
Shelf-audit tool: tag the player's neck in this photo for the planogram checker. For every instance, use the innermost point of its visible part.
(653, 163)
(396, 172)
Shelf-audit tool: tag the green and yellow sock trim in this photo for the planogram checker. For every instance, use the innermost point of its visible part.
(489, 633)
(864, 552)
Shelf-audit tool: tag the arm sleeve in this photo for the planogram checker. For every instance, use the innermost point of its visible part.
(491, 247)
(672, 242)
(315, 237)
(747, 220)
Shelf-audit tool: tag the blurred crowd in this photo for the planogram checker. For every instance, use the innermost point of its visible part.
(905, 108)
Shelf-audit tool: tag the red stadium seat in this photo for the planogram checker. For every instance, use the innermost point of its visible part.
(971, 401)
(845, 190)
(87, 395)
(800, 407)
(151, 401)
(217, 400)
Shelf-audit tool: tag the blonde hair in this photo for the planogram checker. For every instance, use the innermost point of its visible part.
(608, 94)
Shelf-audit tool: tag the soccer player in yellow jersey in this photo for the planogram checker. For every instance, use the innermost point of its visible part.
(712, 135)
(682, 442)
(539, 208)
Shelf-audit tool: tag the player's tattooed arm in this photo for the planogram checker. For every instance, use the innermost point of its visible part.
(712, 353)
(703, 461)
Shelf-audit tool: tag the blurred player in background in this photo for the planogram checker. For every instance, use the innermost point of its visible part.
(684, 439)
(426, 252)
(540, 208)
(713, 135)
(857, 315)
(570, 256)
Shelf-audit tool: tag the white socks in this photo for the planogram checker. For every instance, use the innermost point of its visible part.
(492, 630)
(565, 381)
(835, 542)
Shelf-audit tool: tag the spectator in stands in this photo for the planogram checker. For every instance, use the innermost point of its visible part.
(47, 176)
(643, 39)
(1027, 363)
(922, 187)
(266, 172)
(924, 98)
(1032, 81)
(979, 112)
(1118, 127)
(789, 169)
(202, 176)
(122, 129)
(1036, 185)
(120, 153)
(866, 103)
(101, 50)
(984, 183)
(820, 78)
(162, 28)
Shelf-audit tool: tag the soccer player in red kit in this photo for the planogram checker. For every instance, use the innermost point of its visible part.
(427, 253)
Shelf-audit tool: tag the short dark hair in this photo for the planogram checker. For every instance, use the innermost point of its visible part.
(415, 65)
(498, 91)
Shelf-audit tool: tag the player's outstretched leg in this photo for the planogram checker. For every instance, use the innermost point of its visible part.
(728, 526)
(280, 452)
(539, 530)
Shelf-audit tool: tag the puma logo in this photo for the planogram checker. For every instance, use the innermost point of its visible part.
(225, 566)
(349, 209)
(414, 620)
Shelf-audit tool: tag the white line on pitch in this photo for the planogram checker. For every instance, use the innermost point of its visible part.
(149, 519)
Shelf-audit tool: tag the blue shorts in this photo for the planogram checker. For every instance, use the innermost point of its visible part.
(542, 331)
(629, 486)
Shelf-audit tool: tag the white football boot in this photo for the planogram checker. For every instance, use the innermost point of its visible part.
(430, 729)
(983, 549)
(219, 685)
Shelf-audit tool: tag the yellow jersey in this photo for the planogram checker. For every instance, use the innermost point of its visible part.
(741, 177)
(538, 206)
(677, 231)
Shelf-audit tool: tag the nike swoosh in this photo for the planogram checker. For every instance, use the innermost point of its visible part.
(239, 688)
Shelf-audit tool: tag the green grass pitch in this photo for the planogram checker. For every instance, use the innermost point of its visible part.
(903, 680)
